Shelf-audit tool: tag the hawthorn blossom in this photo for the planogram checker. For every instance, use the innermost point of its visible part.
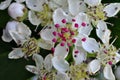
(17, 11)
(94, 9)
(41, 10)
(107, 55)
(20, 33)
(5, 4)
(44, 69)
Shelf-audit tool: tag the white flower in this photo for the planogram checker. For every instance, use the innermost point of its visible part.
(5, 4)
(43, 68)
(17, 31)
(42, 10)
(17, 11)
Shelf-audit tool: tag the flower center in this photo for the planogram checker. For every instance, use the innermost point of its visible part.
(107, 56)
(45, 15)
(78, 72)
(65, 33)
(97, 13)
(30, 47)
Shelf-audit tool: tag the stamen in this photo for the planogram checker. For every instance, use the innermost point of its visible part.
(64, 21)
(76, 25)
(57, 25)
(62, 44)
(76, 52)
(83, 24)
(83, 39)
(53, 49)
(54, 33)
(110, 62)
(73, 40)
(54, 40)
(73, 20)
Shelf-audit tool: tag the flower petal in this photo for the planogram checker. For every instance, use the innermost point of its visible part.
(84, 24)
(38, 60)
(32, 69)
(18, 38)
(61, 76)
(45, 44)
(24, 30)
(117, 73)
(94, 66)
(5, 4)
(79, 55)
(92, 2)
(36, 5)
(61, 51)
(20, 1)
(112, 9)
(54, 4)
(16, 54)
(33, 18)
(90, 45)
(48, 62)
(76, 6)
(60, 64)
(108, 74)
(102, 32)
(47, 33)
(6, 37)
(58, 16)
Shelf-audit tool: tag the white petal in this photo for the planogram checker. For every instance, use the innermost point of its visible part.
(58, 16)
(47, 33)
(90, 45)
(34, 77)
(61, 76)
(60, 64)
(94, 66)
(24, 30)
(76, 6)
(80, 56)
(101, 27)
(33, 18)
(108, 74)
(18, 38)
(48, 62)
(117, 57)
(61, 51)
(16, 54)
(38, 60)
(54, 4)
(36, 5)
(83, 18)
(102, 32)
(112, 9)
(45, 44)
(20, 1)
(5, 4)
(32, 69)
(92, 2)
(6, 37)
(106, 37)
(117, 73)
(15, 10)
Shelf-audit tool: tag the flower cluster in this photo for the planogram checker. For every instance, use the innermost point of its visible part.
(66, 29)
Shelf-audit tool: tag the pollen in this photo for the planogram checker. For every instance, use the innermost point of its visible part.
(30, 47)
(78, 72)
(45, 15)
(97, 13)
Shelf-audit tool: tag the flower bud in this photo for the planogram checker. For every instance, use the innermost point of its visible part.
(17, 11)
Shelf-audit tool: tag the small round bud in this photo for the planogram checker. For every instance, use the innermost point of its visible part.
(17, 11)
